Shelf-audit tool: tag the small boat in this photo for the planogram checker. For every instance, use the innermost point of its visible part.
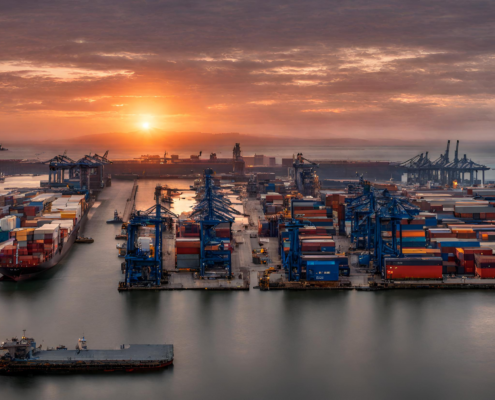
(2, 148)
(82, 239)
(116, 218)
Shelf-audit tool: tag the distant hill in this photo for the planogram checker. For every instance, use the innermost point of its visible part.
(186, 140)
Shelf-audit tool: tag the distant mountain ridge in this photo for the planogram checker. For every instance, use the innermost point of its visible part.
(181, 140)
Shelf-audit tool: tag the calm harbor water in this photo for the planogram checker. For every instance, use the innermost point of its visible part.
(249, 345)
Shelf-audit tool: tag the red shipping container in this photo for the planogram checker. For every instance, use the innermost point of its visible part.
(414, 272)
(469, 270)
(485, 272)
(187, 250)
(194, 244)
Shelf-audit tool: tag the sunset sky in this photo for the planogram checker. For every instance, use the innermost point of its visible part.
(369, 69)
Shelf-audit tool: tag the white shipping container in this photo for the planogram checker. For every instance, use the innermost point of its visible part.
(144, 243)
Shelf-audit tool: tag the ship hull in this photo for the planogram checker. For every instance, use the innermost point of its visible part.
(19, 274)
(49, 367)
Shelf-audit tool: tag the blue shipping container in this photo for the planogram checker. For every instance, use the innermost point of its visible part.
(4, 236)
(328, 249)
(322, 271)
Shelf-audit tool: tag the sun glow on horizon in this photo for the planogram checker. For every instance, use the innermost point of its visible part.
(145, 125)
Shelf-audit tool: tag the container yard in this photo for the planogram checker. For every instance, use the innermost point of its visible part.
(293, 232)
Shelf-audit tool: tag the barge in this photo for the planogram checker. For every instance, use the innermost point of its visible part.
(23, 357)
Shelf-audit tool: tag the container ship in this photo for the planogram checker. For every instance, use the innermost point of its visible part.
(38, 230)
(23, 357)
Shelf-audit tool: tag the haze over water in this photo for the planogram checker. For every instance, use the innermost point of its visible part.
(249, 345)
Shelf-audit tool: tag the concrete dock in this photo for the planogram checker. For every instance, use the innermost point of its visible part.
(246, 240)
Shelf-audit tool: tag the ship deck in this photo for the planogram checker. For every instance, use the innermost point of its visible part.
(133, 352)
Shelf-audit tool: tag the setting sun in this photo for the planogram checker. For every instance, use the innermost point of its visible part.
(146, 125)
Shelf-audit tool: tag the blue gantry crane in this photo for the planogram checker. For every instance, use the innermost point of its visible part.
(360, 211)
(86, 173)
(390, 211)
(373, 213)
(143, 261)
(211, 211)
(291, 260)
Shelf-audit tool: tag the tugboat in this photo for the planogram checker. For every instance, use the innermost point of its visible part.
(2, 148)
(23, 357)
(116, 218)
(82, 239)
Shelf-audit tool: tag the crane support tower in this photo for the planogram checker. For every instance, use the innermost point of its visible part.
(292, 261)
(211, 212)
(239, 163)
(305, 176)
(143, 260)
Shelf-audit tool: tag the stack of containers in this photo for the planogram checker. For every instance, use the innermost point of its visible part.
(448, 246)
(23, 248)
(66, 227)
(320, 244)
(263, 227)
(7, 251)
(466, 257)
(189, 229)
(22, 237)
(31, 212)
(147, 231)
(222, 231)
(484, 266)
(486, 236)
(187, 252)
(336, 201)
(273, 203)
(8, 254)
(476, 211)
(4, 210)
(315, 212)
(48, 235)
(413, 232)
(421, 252)
(439, 233)
(464, 233)
(7, 224)
(413, 268)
